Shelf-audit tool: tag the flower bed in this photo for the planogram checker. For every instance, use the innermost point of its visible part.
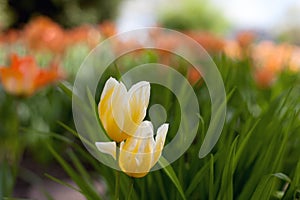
(256, 156)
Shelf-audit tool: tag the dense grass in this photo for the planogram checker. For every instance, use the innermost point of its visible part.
(257, 156)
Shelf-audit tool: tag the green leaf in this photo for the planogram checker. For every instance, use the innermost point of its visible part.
(85, 187)
(171, 174)
(265, 187)
(211, 178)
(66, 88)
(161, 187)
(226, 191)
(199, 177)
(244, 143)
(62, 183)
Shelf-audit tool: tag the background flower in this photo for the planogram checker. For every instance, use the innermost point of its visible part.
(23, 77)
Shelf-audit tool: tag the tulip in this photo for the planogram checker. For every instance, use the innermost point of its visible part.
(294, 62)
(43, 34)
(209, 41)
(233, 50)
(108, 29)
(83, 34)
(23, 77)
(193, 75)
(122, 111)
(138, 154)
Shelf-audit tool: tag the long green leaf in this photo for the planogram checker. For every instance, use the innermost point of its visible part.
(171, 174)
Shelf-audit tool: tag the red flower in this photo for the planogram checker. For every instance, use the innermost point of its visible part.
(23, 77)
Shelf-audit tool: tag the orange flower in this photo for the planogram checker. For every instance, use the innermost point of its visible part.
(9, 37)
(233, 50)
(108, 29)
(245, 38)
(193, 75)
(269, 60)
(165, 41)
(23, 77)
(294, 62)
(274, 57)
(44, 34)
(210, 42)
(83, 34)
(264, 77)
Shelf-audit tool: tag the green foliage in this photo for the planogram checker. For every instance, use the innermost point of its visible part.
(192, 15)
(64, 12)
(257, 156)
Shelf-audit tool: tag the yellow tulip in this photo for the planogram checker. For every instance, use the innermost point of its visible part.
(122, 111)
(138, 154)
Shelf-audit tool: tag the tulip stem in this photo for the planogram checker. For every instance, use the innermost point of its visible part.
(131, 188)
(119, 75)
(117, 188)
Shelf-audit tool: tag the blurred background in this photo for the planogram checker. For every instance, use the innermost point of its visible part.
(274, 19)
(254, 43)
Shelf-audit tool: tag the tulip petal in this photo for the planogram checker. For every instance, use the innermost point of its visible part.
(161, 134)
(111, 108)
(146, 142)
(117, 104)
(121, 112)
(159, 142)
(135, 162)
(136, 152)
(144, 131)
(110, 84)
(107, 148)
(104, 104)
(138, 96)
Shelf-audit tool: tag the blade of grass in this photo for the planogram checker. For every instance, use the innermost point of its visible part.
(226, 191)
(161, 187)
(171, 174)
(66, 88)
(87, 191)
(62, 183)
(198, 177)
(264, 189)
(211, 178)
(243, 144)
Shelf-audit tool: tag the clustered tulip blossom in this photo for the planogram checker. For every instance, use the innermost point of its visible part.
(42, 34)
(121, 113)
(23, 77)
(267, 58)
